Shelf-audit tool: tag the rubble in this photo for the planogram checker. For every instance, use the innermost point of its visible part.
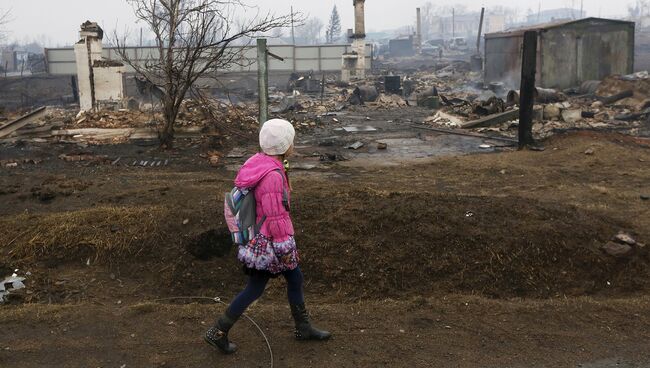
(623, 245)
(389, 102)
(624, 238)
(571, 115)
(355, 146)
(458, 96)
(493, 119)
(443, 119)
(617, 250)
(9, 284)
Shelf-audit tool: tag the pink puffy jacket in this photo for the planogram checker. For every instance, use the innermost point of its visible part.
(259, 173)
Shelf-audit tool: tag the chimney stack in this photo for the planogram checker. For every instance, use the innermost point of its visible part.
(354, 62)
(418, 46)
(359, 19)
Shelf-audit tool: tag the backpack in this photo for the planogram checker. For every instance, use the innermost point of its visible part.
(240, 210)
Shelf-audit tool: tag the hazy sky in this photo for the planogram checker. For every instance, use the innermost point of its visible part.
(57, 21)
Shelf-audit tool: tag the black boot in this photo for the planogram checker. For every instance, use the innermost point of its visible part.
(304, 329)
(217, 335)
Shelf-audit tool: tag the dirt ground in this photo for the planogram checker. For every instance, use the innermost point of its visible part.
(483, 260)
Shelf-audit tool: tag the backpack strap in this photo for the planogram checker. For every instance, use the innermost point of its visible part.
(285, 201)
(285, 195)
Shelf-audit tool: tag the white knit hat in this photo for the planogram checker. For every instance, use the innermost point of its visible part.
(276, 137)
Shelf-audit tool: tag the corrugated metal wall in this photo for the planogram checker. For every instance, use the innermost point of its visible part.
(296, 58)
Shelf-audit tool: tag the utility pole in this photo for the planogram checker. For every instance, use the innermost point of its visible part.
(141, 39)
(582, 9)
(263, 80)
(293, 32)
(453, 23)
(527, 94)
(419, 30)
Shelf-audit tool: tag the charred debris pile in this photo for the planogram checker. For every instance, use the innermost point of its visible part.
(456, 96)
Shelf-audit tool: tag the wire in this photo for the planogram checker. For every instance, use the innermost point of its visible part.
(218, 300)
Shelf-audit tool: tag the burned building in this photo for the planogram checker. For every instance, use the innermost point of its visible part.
(401, 47)
(568, 52)
(100, 80)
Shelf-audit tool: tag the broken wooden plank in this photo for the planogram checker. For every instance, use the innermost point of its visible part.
(16, 124)
(492, 119)
(41, 131)
(465, 134)
(95, 133)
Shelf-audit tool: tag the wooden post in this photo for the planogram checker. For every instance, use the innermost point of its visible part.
(322, 89)
(527, 94)
(75, 89)
(263, 80)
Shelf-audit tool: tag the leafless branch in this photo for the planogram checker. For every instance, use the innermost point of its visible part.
(193, 40)
(4, 19)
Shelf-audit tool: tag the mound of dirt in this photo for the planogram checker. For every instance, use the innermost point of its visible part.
(357, 244)
(375, 245)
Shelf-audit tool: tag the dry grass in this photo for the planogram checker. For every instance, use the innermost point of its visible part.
(102, 232)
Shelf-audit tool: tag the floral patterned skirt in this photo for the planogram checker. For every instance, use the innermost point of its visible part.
(262, 254)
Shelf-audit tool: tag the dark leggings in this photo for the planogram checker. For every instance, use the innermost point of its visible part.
(255, 289)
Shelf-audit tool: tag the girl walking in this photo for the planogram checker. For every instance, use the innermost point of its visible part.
(272, 252)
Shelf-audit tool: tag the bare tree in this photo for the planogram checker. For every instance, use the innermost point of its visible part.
(192, 39)
(4, 19)
(333, 32)
(310, 31)
(640, 9)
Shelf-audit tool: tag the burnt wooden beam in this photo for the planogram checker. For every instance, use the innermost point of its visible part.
(527, 90)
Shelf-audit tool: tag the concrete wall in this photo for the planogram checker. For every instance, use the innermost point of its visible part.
(296, 58)
(567, 55)
(83, 74)
(108, 83)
